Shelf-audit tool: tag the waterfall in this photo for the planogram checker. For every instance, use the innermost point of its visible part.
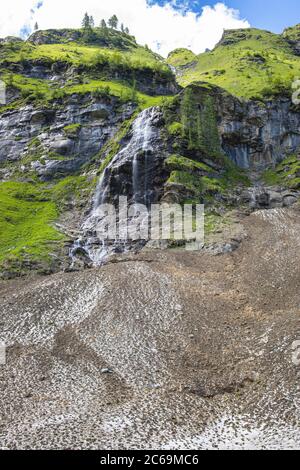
(137, 152)
(101, 190)
(141, 142)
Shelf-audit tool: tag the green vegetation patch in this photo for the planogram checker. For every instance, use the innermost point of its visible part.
(176, 129)
(235, 176)
(71, 190)
(121, 90)
(27, 214)
(41, 93)
(113, 146)
(26, 217)
(247, 63)
(134, 58)
(31, 90)
(293, 33)
(189, 174)
(198, 185)
(106, 37)
(177, 162)
(72, 130)
(199, 121)
(287, 173)
(212, 223)
(181, 57)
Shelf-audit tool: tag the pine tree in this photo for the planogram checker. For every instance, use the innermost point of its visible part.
(189, 118)
(126, 31)
(36, 27)
(88, 25)
(103, 24)
(92, 22)
(133, 91)
(113, 22)
(86, 21)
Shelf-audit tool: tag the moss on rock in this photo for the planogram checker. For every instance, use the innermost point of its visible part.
(286, 174)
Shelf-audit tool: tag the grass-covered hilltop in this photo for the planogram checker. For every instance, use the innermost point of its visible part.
(249, 63)
(73, 96)
(101, 61)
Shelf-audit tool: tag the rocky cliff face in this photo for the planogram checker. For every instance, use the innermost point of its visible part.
(253, 134)
(292, 35)
(256, 135)
(58, 140)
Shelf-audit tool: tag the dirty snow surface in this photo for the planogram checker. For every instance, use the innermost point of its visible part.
(162, 350)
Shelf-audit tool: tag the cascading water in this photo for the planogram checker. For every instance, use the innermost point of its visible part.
(260, 197)
(143, 132)
(259, 194)
(138, 152)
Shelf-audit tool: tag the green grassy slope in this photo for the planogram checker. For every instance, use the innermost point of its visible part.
(105, 37)
(28, 211)
(292, 33)
(286, 174)
(137, 58)
(42, 92)
(26, 232)
(106, 63)
(109, 61)
(248, 63)
(181, 57)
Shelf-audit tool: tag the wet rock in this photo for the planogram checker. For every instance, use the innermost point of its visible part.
(62, 146)
(275, 199)
(289, 200)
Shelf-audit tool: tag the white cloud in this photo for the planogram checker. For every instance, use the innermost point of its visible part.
(162, 28)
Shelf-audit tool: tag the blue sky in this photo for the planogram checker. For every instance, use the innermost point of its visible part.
(273, 15)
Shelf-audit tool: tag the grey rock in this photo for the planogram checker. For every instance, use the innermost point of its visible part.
(216, 249)
(99, 120)
(62, 146)
(10, 40)
(261, 197)
(256, 135)
(289, 200)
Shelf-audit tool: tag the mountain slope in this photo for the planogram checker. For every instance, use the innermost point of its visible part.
(55, 63)
(71, 99)
(77, 116)
(248, 63)
(160, 348)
